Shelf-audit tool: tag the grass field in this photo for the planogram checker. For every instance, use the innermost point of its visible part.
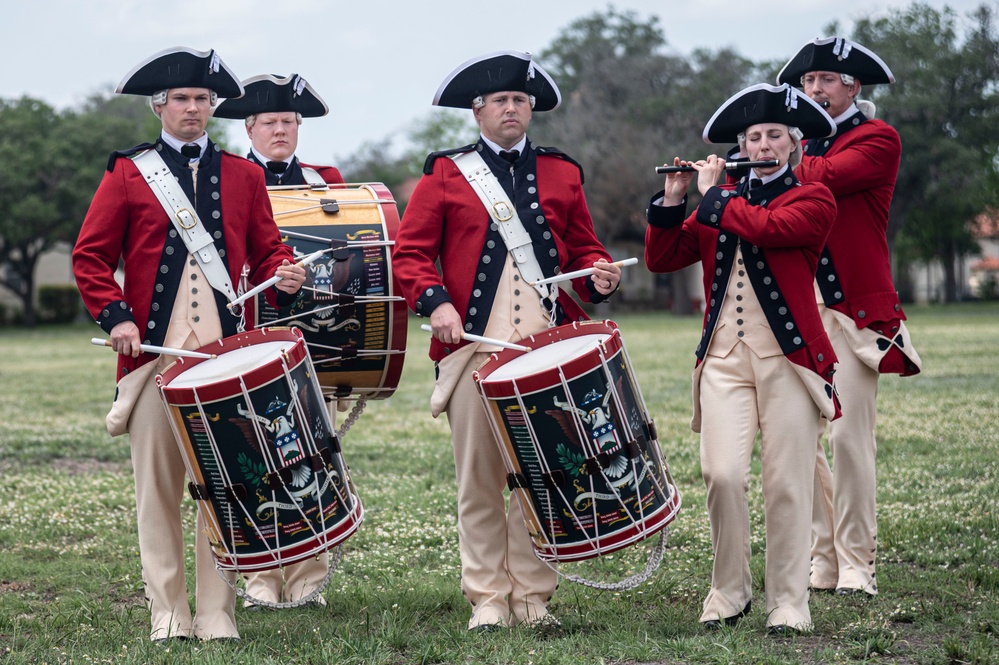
(70, 581)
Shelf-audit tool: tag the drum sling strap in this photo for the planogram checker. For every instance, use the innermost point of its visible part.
(313, 179)
(511, 229)
(184, 218)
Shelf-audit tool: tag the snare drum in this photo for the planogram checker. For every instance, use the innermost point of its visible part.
(264, 460)
(354, 326)
(578, 443)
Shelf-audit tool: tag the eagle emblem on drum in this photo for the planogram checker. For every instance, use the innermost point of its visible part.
(594, 411)
(330, 277)
(279, 422)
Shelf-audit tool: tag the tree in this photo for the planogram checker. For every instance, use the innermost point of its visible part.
(945, 106)
(50, 165)
(374, 161)
(628, 105)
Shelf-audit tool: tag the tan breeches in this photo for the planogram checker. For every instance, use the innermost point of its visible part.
(500, 575)
(741, 394)
(844, 521)
(160, 485)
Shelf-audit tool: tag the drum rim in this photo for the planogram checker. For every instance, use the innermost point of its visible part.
(227, 387)
(639, 530)
(544, 378)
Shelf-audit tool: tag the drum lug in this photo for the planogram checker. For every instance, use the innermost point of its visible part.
(633, 449)
(554, 480)
(653, 434)
(346, 305)
(278, 479)
(235, 493)
(330, 206)
(593, 465)
(343, 391)
(341, 251)
(317, 463)
(516, 481)
(334, 447)
(198, 492)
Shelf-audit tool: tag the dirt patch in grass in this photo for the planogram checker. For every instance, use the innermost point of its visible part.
(13, 587)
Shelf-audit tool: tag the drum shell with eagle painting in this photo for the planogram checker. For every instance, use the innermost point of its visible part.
(264, 460)
(579, 445)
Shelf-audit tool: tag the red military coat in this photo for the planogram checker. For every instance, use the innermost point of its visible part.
(445, 221)
(127, 225)
(781, 242)
(859, 165)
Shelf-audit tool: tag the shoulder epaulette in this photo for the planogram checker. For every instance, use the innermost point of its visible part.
(555, 152)
(428, 166)
(126, 153)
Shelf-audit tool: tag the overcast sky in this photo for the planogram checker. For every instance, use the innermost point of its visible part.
(376, 63)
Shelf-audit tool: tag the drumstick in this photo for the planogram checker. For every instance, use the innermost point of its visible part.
(163, 350)
(581, 273)
(485, 340)
(274, 280)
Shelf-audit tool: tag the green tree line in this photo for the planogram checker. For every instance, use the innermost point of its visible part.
(629, 102)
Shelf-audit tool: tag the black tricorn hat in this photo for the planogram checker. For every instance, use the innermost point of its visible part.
(766, 103)
(181, 67)
(497, 72)
(274, 94)
(836, 54)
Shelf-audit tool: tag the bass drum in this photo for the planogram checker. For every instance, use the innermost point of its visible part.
(353, 324)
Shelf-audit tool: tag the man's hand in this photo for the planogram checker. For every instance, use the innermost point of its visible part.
(606, 276)
(292, 277)
(125, 339)
(446, 323)
(676, 184)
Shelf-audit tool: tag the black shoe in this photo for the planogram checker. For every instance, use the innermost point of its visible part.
(169, 641)
(782, 630)
(847, 591)
(484, 628)
(715, 624)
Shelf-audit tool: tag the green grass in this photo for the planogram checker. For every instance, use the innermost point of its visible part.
(70, 581)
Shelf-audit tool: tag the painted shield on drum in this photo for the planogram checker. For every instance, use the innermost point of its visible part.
(353, 323)
(259, 446)
(578, 442)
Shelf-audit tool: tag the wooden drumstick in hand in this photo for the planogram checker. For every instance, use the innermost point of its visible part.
(484, 340)
(581, 273)
(274, 280)
(162, 350)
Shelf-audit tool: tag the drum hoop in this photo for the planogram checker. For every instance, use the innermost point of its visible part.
(544, 378)
(224, 388)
